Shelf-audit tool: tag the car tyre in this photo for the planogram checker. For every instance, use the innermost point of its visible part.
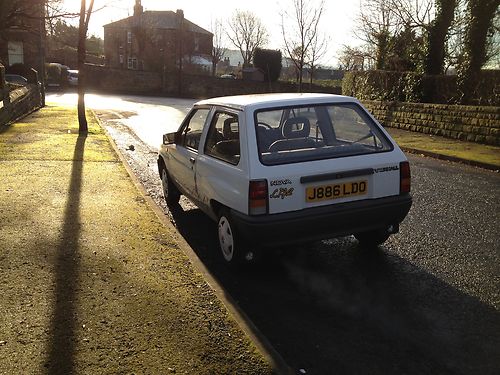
(372, 238)
(231, 248)
(170, 191)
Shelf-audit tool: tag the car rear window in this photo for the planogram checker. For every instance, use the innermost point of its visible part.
(302, 133)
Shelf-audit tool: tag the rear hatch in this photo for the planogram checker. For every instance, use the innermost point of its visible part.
(323, 183)
(321, 154)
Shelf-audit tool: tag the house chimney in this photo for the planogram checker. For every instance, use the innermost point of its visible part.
(180, 13)
(138, 9)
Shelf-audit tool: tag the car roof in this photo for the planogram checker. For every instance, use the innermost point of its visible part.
(274, 100)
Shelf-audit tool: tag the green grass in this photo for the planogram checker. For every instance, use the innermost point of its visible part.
(449, 147)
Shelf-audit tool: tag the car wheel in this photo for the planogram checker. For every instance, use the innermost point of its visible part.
(233, 252)
(170, 191)
(372, 238)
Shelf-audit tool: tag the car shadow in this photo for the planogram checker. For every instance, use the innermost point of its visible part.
(336, 307)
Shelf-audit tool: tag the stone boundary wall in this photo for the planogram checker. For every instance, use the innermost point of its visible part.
(20, 102)
(479, 124)
(190, 86)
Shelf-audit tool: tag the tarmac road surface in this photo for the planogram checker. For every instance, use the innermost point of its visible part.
(427, 301)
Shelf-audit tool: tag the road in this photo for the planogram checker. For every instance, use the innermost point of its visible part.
(427, 301)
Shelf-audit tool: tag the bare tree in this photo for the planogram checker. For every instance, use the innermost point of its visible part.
(378, 23)
(247, 33)
(218, 49)
(299, 28)
(318, 49)
(414, 13)
(85, 14)
(355, 58)
(53, 11)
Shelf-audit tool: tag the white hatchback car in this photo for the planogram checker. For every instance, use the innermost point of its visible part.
(276, 169)
(73, 77)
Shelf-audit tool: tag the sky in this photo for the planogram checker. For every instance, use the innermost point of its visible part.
(338, 20)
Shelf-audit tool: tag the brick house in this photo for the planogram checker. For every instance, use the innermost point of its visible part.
(155, 40)
(23, 39)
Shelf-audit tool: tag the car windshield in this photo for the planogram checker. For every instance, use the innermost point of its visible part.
(296, 134)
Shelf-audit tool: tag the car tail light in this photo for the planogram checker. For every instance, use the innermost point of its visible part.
(257, 197)
(404, 177)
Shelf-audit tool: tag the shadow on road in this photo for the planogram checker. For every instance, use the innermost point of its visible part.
(61, 348)
(337, 308)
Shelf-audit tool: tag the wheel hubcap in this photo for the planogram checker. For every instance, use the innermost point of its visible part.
(226, 239)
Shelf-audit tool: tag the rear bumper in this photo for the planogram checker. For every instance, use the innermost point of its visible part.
(322, 222)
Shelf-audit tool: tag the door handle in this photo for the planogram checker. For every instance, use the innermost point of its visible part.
(192, 160)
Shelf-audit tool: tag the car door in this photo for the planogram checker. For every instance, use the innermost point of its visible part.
(220, 172)
(183, 161)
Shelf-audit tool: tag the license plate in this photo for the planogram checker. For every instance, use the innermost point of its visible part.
(336, 191)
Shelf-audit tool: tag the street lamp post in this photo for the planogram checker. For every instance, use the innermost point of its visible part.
(41, 49)
(180, 14)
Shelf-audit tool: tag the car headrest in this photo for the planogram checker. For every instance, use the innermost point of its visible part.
(296, 127)
(227, 131)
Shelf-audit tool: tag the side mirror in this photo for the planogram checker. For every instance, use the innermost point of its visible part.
(170, 138)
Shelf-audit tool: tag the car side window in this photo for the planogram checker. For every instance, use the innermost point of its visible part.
(223, 138)
(191, 132)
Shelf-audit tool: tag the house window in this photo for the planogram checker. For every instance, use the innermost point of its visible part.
(16, 53)
(129, 37)
(132, 63)
(196, 44)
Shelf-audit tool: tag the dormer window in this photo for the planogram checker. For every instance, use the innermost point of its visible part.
(129, 37)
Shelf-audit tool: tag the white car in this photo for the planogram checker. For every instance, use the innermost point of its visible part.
(277, 169)
(16, 79)
(73, 77)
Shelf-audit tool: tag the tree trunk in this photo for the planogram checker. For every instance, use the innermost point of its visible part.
(382, 50)
(82, 34)
(434, 61)
(481, 16)
(437, 36)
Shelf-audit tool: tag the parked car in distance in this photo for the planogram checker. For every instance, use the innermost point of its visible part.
(228, 76)
(277, 169)
(16, 78)
(73, 77)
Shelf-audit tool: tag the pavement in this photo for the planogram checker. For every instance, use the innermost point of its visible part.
(94, 279)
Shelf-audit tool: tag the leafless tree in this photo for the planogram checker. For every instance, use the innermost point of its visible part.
(218, 49)
(299, 28)
(85, 14)
(355, 58)
(319, 48)
(53, 10)
(377, 23)
(247, 33)
(413, 13)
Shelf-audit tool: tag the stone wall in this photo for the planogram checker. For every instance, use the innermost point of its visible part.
(189, 86)
(467, 123)
(19, 102)
(123, 80)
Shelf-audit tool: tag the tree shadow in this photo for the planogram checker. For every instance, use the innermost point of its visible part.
(61, 349)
